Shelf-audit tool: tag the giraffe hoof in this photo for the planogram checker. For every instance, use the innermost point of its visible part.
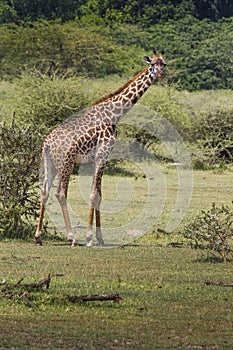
(38, 242)
(73, 242)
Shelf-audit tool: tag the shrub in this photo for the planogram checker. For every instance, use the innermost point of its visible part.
(19, 169)
(203, 119)
(212, 231)
(47, 101)
(211, 127)
(215, 137)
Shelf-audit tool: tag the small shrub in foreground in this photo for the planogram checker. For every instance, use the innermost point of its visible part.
(212, 231)
(19, 172)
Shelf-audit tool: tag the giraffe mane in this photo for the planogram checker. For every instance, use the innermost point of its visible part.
(118, 91)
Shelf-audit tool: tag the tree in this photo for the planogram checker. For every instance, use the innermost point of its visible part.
(19, 172)
(213, 9)
(7, 12)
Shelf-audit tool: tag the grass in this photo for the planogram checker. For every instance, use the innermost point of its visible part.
(166, 304)
(127, 213)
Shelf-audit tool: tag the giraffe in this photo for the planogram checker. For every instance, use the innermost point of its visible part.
(90, 138)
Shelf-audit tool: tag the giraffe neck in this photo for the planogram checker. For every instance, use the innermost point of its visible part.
(116, 105)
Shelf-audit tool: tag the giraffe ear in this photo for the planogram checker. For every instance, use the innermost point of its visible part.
(147, 59)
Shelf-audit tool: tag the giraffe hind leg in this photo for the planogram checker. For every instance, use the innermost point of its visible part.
(49, 175)
(61, 195)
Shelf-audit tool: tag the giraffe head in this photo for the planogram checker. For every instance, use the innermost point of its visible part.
(157, 63)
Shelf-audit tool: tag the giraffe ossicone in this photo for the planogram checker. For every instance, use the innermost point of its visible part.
(90, 138)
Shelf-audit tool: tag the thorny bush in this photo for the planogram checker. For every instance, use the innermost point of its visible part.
(19, 170)
(212, 230)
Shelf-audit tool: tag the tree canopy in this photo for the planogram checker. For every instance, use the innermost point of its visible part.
(98, 38)
(126, 11)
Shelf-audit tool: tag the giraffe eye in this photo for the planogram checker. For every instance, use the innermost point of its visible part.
(160, 62)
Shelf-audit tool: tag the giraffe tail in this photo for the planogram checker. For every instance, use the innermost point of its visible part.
(47, 168)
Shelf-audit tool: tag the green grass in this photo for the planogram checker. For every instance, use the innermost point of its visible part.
(125, 197)
(165, 305)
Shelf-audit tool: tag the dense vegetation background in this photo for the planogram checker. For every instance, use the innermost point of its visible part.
(96, 38)
(56, 57)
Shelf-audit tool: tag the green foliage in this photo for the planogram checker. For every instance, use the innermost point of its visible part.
(203, 119)
(127, 11)
(7, 12)
(210, 133)
(212, 230)
(198, 52)
(67, 48)
(207, 63)
(32, 10)
(19, 169)
(214, 138)
(45, 101)
(213, 9)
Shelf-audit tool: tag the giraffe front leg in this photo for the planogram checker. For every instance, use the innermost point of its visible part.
(95, 200)
(100, 241)
(99, 236)
(89, 235)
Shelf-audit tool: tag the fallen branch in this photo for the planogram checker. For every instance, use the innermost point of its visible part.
(96, 297)
(34, 285)
(175, 244)
(37, 285)
(25, 291)
(31, 285)
(18, 289)
(221, 284)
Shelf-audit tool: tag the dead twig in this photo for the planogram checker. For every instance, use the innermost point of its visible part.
(19, 282)
(32, 285)
(175, 244)
(221, 284)
(96, 297)
(19, 289)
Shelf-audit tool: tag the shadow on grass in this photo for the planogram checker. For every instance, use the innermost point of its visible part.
(114, 168)
(211, 259)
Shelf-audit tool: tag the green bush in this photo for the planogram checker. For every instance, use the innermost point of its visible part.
(48, 46)
(203, 119)
(216, 137)
(212, 231)
(211, 119)
(47, 101)
(19, 171)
